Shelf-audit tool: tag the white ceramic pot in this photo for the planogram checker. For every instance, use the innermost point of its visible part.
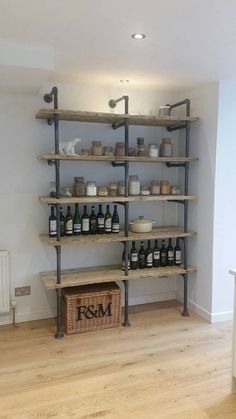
(141, 225)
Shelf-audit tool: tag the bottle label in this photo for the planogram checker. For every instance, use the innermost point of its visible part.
(134, 257)
(149, 258)
(178, 256)
(101, 222)
(69, 226)
(53, 226)
(85, 224)
(170, 255)
(108, 224)
(77, 228)
(156, 254)
(115, 228)
(123, 265)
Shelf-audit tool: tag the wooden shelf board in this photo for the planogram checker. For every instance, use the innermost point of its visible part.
(98, 199)
(110, 118)
(156, 233)
(114, 158)
(83, 276)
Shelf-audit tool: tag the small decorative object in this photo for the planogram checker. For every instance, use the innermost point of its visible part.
(155, 187)
(153, 150)
(120, 149)
(145, 190)
(112, 189)
(175, 190)
(121, 189)
(84, 152)
(68, 148)
(108, 151)
(164, 111)
(132, 152)
(102, 191)
(141, 225)
(166, 148)
(79, 186)
(66, 192)
(96, 149)
(140, 147)
(134, 185)
(53, 189)
(165, 187)
(91, 189)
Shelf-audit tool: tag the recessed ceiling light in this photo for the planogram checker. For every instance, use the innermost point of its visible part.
(138, 36)
(124, 81)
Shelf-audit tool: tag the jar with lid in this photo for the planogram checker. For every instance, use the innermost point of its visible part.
(79, 186)
(102, 191)
(175, 190)
(120, 149)
(155, 187)
(108, 151)
(166, 148)
(96, 149)
(91, 189)
(121, 189)
(165, 187)
(153, 150)
(112, 189)
(145, 190)
(140, 147)
(53, 189)
(134, 185)
(164, 111)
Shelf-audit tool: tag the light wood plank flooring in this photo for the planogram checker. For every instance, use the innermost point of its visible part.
(164, 366)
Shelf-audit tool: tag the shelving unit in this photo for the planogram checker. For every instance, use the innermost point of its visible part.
(69, 278)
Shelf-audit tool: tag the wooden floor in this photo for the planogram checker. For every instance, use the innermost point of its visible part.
(164, 366)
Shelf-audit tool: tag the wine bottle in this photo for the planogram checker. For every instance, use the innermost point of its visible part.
(115, 228)
(142, 256)
(149, 256)
(52, 225)
(76, 221)
(69, 222)
(170, 254)
(177, 254)
(85, 221)
(133, 257)
(156, 255)
(123, 261)
(163, 254)
(100, 221)
(93, 222)
(108, 220)
(62, 223)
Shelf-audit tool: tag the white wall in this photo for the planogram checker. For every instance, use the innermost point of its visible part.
(204, 103)
(24, 178)
(225, 204)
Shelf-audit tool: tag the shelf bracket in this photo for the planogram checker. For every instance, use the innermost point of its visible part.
(177, 201)
(175, 164)
(176, 127)
(118, 164)
(119, 203)
(51, 162)
(117, 125)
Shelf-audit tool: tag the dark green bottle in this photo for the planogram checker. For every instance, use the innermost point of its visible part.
(76, 221)
(93, 222)
(170, 254)
(156, 255)
(163, 254)
(142, 257)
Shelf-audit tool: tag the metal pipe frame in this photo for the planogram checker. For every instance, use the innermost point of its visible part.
(49, 97)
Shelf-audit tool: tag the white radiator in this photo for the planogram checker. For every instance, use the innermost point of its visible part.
(4, 282)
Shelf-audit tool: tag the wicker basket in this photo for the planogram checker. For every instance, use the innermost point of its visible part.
(91, 307)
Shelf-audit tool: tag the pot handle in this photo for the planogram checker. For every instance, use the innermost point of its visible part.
(154, 221)
(130, 222)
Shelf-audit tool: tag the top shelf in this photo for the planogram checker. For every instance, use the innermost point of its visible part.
(111, 118)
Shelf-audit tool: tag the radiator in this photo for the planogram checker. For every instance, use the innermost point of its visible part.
(4, 282)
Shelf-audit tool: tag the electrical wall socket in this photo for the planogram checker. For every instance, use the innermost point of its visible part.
(22, 291)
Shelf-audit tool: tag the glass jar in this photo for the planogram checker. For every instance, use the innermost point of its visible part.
(79, 186)
(84, 152)
(140, 147)
(120, 149)
(102, 191)
(112, 189)
(164, 111)
(134, 185)
(165, 187)
(175, 190)
(166, 148)
(53, 189)
(132, 152)
(91, 189)
(96, 149)
(153, 150)
(66, 192)
(145, 190)
(155, 187)
(108, 151)
(121, 189)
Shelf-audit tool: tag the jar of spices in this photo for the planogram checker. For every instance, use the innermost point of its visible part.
(140, 147)
(145, 190)
(120, 149)
(79, 186)
(155, 187)
(102, 191)
(165, 187)
(96, 149)
(132, 152)
(121, 189)
(108, 151)
(166, 148)
(91, 189)
(112, 189)
(153, 150)
(134, 185)
(175, 190)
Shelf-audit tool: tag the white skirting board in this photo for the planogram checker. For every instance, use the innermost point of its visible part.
(4, 282)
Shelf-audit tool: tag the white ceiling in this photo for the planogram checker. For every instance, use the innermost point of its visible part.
(188, 42)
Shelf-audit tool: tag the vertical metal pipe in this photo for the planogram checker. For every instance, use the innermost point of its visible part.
(126, 283)
(126, 316)
(59, 334)
(185, 309)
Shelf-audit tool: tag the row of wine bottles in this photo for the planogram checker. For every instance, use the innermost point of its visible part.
(99, 223)
(153, 257)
